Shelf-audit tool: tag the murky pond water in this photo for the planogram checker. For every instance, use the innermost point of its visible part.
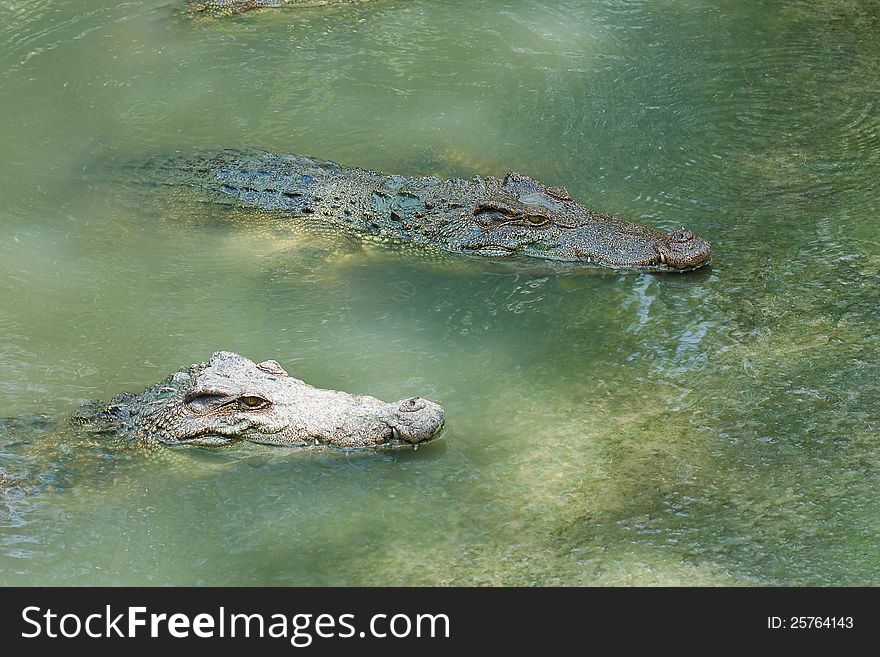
(719, 427)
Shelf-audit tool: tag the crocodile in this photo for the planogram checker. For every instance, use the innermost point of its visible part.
(230, 398)
(497, 217)
(232, 7)
(226, 401)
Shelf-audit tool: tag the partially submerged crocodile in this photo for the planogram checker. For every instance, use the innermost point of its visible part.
(231, 398)
(514, 215)
(232, 7)
(226, 400)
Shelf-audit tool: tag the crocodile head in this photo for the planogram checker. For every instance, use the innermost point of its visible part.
(530, 219)
(231, 398)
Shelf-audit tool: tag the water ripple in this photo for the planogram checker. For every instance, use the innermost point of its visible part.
(33, 28)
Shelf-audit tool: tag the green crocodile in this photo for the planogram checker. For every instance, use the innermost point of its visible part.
(510, 216)
(232, 7)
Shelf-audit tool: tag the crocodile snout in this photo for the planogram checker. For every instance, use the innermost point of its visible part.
(416, 420)
(683, 250)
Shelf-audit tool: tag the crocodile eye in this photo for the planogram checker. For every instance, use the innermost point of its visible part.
(536, 219)
(252, 402)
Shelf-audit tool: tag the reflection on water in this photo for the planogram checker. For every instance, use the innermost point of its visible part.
(605, 427)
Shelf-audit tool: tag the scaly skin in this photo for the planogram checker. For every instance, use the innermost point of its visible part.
(486, 216)
(231, 7)
(231, 398)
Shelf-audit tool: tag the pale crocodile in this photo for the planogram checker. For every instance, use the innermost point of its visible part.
(231, 398)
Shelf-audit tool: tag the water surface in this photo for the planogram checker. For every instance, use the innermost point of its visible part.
(605, 427)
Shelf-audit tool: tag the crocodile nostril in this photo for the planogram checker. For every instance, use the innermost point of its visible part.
(682, 235)
(411, 405)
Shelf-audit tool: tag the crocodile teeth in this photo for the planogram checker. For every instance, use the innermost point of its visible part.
(663, 258)
(395, 433)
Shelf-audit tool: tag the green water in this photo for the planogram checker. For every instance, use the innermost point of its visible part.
(605, 428)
